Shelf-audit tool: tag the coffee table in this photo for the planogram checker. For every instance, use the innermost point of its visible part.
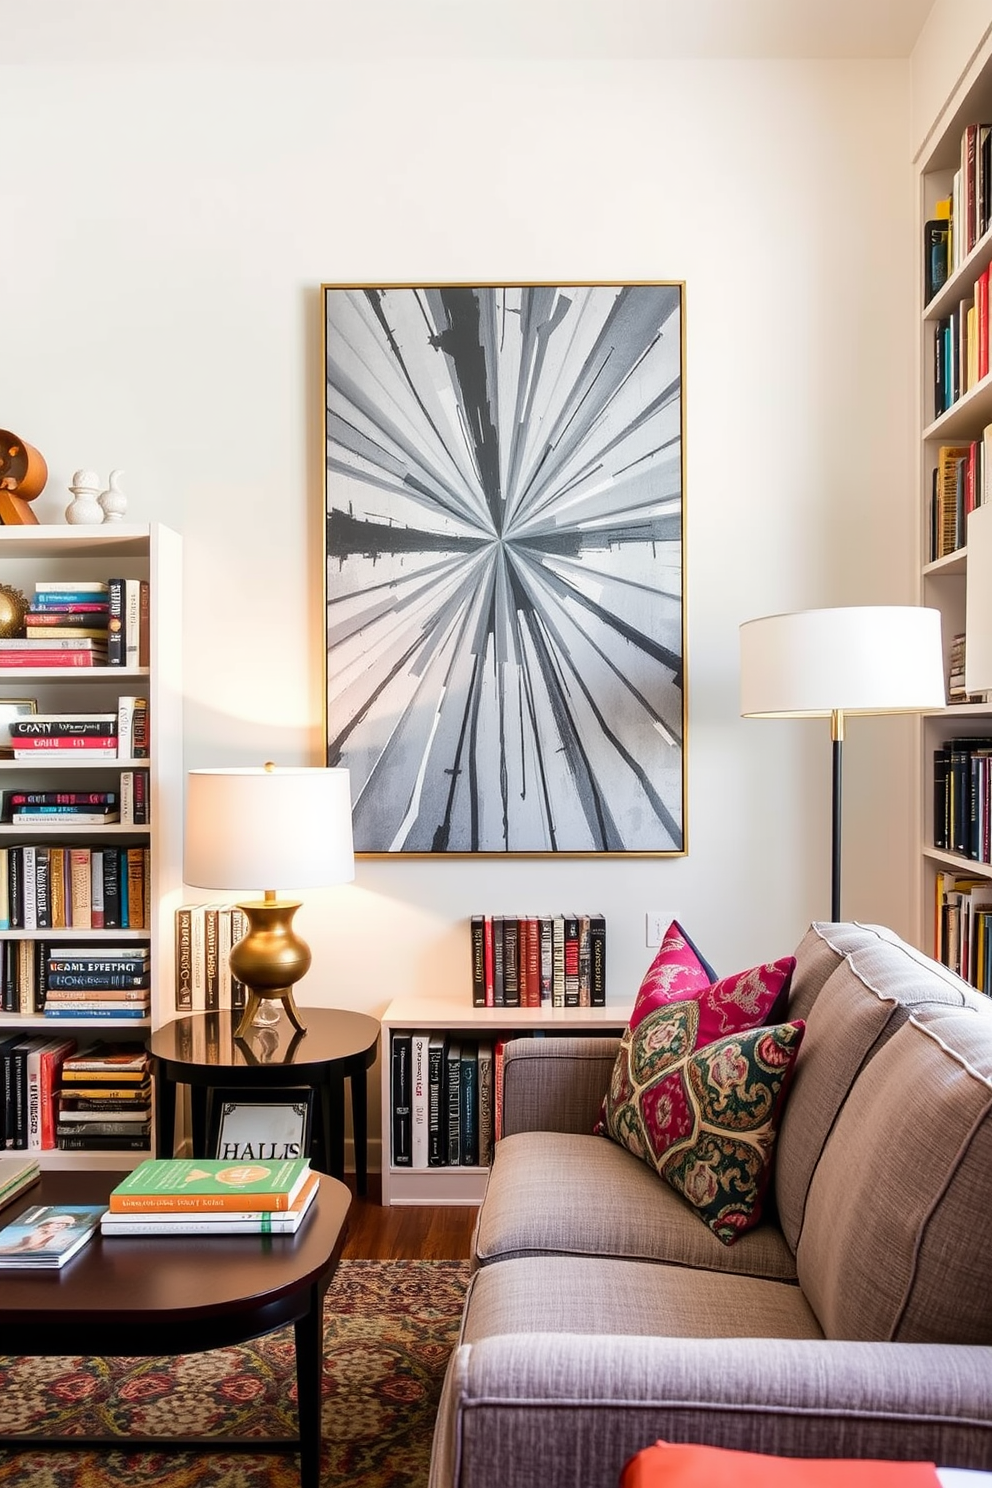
(149, 1296)
(200, 1051)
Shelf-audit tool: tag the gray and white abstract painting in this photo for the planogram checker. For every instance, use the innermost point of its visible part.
(505, 624)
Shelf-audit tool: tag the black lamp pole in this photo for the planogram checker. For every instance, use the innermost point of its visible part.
(837, 745)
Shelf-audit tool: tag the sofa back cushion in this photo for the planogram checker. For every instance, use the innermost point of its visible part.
(876, 981)
(895, 1246)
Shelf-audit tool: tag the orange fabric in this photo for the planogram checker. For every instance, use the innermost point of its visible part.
(678, 1465)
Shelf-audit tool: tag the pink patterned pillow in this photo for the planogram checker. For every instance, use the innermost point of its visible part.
(744, 1000)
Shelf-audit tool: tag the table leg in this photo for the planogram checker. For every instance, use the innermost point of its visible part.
(309, 1331)
(165, 1113)
(198, 1119)
(360, 1123)
(334, 1120)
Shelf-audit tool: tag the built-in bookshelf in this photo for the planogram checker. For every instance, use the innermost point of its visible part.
(458, 1023)
(148, 838)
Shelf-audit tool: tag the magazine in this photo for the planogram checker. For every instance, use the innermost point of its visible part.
(46, 1235)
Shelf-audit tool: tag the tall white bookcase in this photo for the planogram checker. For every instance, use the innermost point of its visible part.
(110, 550)
(439, 1015)
(944, 580)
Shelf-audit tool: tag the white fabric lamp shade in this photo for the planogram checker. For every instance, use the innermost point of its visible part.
(268, 828)
(978, 603)
(856, 659)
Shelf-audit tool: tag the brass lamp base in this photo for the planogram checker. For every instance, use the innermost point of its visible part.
(270, 958)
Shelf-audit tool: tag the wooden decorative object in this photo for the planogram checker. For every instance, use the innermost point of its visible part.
(23, 474)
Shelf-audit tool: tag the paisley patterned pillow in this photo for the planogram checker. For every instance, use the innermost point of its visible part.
(705, 1118)
(740, 1001)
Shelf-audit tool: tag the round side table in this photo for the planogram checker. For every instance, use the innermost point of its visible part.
(201, 1051)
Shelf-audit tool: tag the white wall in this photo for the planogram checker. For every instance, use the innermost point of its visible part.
(165, 234)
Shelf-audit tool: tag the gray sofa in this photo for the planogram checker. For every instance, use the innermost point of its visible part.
(854, 1322)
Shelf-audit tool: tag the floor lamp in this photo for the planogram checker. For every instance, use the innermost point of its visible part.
(830, 663)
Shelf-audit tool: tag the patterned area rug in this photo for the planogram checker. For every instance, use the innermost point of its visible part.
(390, 1327)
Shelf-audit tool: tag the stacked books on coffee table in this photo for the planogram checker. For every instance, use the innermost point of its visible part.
(211, 1196)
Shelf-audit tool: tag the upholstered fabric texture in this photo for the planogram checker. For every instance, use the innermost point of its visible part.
(555, 1085)
(705, 1118)
(895, 1241)
(545, 1197)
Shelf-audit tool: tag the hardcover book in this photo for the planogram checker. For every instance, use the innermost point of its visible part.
(47, 1235)
(176, 1183)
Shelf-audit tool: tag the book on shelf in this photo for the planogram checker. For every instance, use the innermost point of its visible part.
(468, 1106)
(452, 1093)
(219, 1222)
(478, 948)
(484, 1153)
(437, 1108)
(400, 1087)
(63, 725)
(419, 1096)
(205, 935)
(87, 746)
(45, 1236)
(84, 589)
(936, 239)
(210, 1184)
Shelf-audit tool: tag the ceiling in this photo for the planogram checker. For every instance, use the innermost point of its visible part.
(276, 31)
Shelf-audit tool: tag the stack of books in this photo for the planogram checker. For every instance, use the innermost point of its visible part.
(29, 1079)
(45, 736)
(65, 625)
(97, 982)
(211, 1196)
(205, 934)
(445, 1100)
(16, 1174)
(105, 1100)
(44, 1237)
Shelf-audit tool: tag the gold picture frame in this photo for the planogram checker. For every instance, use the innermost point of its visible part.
(11, 708)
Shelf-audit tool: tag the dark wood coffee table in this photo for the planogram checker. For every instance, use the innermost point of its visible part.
(149, 1296)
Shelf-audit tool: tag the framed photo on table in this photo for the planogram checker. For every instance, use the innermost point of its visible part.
(504, 609)
(270, 1125)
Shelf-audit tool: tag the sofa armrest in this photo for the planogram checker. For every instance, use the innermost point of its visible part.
(555, 1084)
(542, 1410)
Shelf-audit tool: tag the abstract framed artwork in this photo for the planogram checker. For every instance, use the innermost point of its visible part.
(505, 618)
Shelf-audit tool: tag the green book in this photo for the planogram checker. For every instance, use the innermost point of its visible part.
(198, 1183)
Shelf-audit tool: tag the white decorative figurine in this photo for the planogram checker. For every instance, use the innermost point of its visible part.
(85, 506)
(113, 499)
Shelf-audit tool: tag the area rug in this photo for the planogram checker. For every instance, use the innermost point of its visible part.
(389, 1329)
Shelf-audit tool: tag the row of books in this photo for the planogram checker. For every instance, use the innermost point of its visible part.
(961, 219)
(962, 797)
(211, 1196)
(956, 690)
(68, 886)
(960, 482)
(53, 1094)
(82, 622)
(119, 734)
(38, 976)
(963, 928)
(553, 960)
(444, 1100)
(205, 934)
(130, 805)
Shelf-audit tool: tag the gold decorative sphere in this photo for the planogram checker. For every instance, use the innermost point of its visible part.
(13, 607)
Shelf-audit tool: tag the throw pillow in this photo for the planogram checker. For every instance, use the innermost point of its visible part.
(705, 1118)
(726, 1005)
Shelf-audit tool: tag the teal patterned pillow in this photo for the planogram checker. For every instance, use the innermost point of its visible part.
(706, 1119)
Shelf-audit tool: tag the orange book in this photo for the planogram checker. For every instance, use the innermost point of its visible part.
(189, 1185)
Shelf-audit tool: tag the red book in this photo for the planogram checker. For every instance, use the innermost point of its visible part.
(532, 964)
(65, 743)
(51, 1066)
(50, 659)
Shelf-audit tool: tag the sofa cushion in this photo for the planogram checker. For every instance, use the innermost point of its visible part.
(552, 1194)
(584, 1295)
(895, 1243)
(876, 980)
(704, 1118)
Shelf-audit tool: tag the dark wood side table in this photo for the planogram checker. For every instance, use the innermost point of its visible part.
(151, 1296)
(201, 1051)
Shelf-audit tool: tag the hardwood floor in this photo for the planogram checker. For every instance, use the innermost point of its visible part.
(406, 1232)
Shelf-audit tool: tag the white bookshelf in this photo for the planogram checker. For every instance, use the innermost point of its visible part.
(943, 581)
(420, 1014)
(153, 552)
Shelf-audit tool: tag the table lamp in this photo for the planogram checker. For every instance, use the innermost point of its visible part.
(828, 663)
(268, 826)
